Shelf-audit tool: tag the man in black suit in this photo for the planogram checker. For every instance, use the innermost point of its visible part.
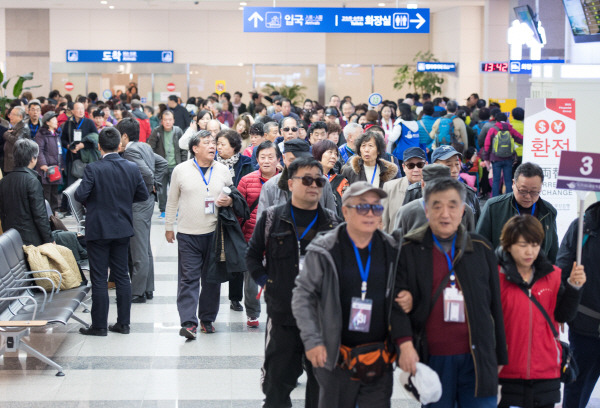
(108, 189)
(152, 167)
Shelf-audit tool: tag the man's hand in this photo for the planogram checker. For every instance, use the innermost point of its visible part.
(577, 277)
(317, 356)
(170, 235)
(44, 168)
(404, 300)
(224, 201)
(77, 147)
(408, 358)
(488, 165)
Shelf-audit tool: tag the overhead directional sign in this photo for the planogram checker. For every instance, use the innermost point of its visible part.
(335, 20)
(424, 66)
(161, 56)
(526, 66)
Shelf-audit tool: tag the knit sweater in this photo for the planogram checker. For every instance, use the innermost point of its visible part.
(188, 193)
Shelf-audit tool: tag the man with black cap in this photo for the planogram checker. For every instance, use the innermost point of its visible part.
(281, 236)
(450, 158)
(342, 301)
(412, 215)
(276, 192)
(413, 161)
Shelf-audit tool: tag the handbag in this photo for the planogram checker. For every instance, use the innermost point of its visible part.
(53, 173)
(77, 168)
(568, 367)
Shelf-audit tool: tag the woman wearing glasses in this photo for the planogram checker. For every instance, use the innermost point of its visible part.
(326, 152)
(534, 301)
(368, 164)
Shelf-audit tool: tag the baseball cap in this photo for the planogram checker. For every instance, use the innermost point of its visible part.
(298, 147)
(413, 152)
(444, 152)
(359, 188)
(331, 111)
(424, 386)
(48, 115)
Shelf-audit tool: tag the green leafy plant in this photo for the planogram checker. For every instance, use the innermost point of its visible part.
(18, 88)
(294, 93)
(421, 82)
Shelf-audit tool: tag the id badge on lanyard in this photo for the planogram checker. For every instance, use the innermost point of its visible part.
(454, 305)
(77, 135)
(209, 205)
(360, 315)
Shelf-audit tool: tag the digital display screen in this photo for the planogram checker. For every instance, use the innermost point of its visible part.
(494, 67)
(584, 18)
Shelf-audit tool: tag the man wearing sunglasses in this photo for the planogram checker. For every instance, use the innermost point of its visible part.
(343, 297)
(281, 236)
(413, 161)
(524, 199)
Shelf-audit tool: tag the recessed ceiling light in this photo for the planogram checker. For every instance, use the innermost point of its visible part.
(243, 3)
(381, 4)
(412, 6)
(104, 2)
(240, 8)
(111, 7)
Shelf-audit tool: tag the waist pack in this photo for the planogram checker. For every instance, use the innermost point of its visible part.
(367, 362)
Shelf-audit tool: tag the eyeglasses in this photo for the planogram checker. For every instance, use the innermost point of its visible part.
(411, 166)
(525, 193)
(308, 180)
(363, 209)
(287, 129)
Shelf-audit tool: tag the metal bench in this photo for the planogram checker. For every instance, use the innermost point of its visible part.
(77, 209)
(22, 308)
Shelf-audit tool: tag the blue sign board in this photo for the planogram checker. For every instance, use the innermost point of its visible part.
(424, 66)
(525, 66)
(335, 20)
(162, 56)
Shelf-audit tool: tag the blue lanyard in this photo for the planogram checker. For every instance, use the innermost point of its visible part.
(202, 174)
(312, 223)
(364, 270)
(33, 130)
(449, 258)
(374, 172)
(80, 123)
(532, 209)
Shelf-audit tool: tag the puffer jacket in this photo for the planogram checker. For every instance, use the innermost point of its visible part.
(533, 352)
(145, 128)
(354, 170)
(250, 187)
(50, 152)
(20, 131)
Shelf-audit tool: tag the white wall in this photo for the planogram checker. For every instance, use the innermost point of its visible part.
(580, 53)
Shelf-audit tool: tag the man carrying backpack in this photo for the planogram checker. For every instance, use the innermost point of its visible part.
(450, 130)
(499, 149)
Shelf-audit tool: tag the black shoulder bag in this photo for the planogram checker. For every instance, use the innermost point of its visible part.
(568, 366)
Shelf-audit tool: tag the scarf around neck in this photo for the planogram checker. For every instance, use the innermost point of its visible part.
(230, 163)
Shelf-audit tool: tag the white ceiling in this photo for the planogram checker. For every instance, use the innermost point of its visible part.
(434, 5)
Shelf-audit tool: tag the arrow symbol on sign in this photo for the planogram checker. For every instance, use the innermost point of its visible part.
(420, 20)
(255, 16)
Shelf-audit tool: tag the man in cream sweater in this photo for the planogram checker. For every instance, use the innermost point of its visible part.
(195, 188)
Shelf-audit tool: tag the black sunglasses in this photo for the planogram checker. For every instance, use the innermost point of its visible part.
(411, 166)
(363, 209)
(287, 129)
(308, 180)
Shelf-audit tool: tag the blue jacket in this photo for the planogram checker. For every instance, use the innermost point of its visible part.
(108, 189)
(424, 138)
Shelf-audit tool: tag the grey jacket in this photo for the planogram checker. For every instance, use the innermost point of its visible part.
(156, 143)
(412, 216)
(316, 300)
(275, 192)
(152, 166)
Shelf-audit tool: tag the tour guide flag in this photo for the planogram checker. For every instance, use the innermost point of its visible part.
(549, 130)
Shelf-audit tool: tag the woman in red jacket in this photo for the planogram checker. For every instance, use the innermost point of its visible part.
(532, 376)
(268, 156)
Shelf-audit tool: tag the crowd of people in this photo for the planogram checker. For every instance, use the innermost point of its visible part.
(363, 228)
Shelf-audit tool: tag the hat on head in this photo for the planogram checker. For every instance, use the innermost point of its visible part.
(413, 152)
(331, 111)
(359, 188)
(434, 171)
(298, 147)
(47, 116)
(424, 386)
(444, 152)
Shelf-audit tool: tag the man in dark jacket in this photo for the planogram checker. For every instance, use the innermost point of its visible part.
(108, 189)
(22, 204)
(584, 330)
(525, 199)
(456, 321)
(180, 114)
(19, 130)
(73, 133)
(281, 236)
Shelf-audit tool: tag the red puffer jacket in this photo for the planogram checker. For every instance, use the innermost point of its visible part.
(533, 352)
(250, 186)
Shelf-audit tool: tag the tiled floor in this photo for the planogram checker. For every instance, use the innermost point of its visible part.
(153, 366)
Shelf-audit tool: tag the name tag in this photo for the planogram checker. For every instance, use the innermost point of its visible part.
(360, 315)
(77, 135)
(209, 205)
(454, 306)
